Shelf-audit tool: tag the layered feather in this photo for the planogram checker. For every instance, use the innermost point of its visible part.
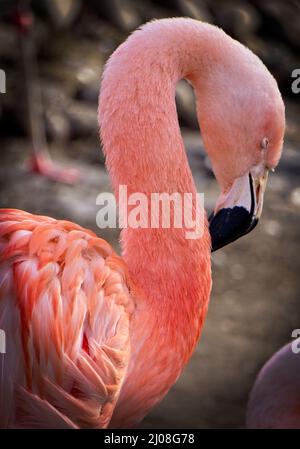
(65, 309)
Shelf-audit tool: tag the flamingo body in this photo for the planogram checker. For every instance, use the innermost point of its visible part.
(274, 401)
(65, 309)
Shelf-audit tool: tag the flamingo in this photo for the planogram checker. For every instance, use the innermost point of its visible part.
(274, 401)
(95, 340)
(41, 161)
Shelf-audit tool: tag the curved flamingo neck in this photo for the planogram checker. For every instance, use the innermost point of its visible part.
(144, 150)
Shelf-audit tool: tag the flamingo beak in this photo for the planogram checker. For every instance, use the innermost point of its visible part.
(238, 210)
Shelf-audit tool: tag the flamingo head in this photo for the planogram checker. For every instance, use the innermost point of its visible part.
(242, 122)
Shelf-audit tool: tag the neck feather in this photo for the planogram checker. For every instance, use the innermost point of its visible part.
(144, 151)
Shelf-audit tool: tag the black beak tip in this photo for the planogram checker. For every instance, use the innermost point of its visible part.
(229, 224)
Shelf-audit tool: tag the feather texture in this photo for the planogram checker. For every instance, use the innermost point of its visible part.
(65, 309)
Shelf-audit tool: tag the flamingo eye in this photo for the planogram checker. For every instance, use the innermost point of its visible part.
(264, 143)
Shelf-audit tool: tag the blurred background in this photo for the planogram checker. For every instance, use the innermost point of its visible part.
(53, 53)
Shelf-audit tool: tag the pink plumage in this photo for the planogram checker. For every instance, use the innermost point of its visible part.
(94, 339)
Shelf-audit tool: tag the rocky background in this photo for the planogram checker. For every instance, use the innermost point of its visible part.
(255, 300)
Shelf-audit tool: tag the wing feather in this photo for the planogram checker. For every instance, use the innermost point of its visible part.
(66, 309)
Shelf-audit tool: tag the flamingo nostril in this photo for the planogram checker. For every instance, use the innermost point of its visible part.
(257, 192)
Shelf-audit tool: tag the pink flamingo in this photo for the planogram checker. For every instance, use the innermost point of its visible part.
(94, 339)
(274, 401)
(41, 161)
